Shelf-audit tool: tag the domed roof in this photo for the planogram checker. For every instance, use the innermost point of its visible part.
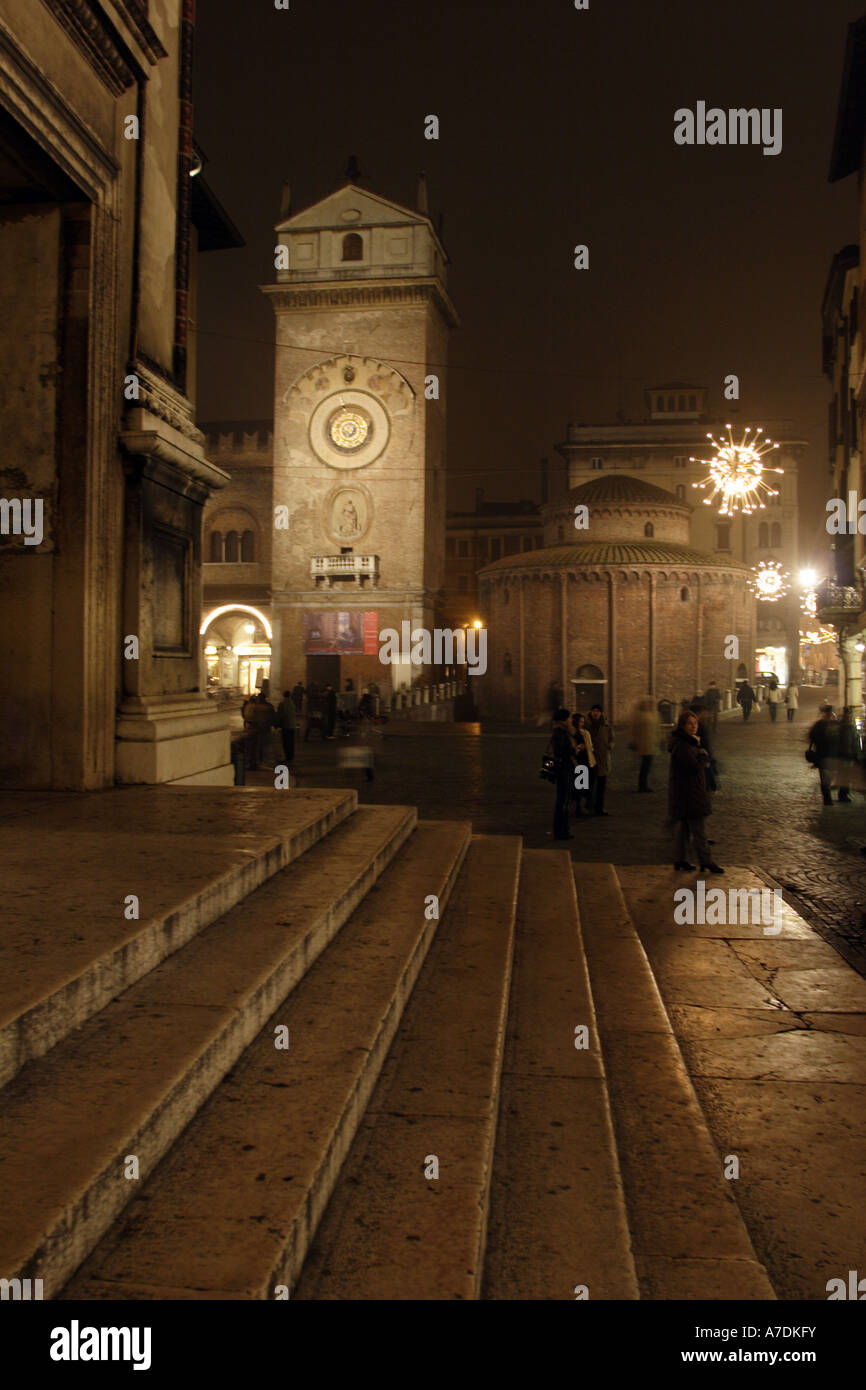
(593, 553)
(622, 488)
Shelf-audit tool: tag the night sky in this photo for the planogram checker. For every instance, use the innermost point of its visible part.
(556, 128)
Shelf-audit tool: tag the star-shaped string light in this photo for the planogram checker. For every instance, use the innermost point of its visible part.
(737, 473)
(769, 582)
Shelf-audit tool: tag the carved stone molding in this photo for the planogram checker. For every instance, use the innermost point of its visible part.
(287, 297)
(161, 398)
(114, 65)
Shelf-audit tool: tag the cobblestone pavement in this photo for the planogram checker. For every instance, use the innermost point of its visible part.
(768, 814)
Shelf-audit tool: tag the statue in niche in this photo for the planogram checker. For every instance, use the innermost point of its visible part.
(347, 522)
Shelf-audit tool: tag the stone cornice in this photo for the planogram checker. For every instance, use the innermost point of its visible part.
(336, 294)
(34, 101)
(151, 442)
(115, 66)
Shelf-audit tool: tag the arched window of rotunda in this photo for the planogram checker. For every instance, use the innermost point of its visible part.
(649, 530)
(232, 550)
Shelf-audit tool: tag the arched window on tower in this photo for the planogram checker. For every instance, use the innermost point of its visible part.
(775, 535)
(763, 536)
(248, 547)
(216, 547)
(353, 247)
(649, 530)
(232, 551)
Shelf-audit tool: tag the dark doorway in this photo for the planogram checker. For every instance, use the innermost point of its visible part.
(324, 670)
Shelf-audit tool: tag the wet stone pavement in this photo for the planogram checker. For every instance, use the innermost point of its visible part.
(768, 814)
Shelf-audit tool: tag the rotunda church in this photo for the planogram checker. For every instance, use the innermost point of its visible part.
(615, 606)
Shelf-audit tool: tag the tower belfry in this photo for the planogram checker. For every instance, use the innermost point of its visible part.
(362, 323)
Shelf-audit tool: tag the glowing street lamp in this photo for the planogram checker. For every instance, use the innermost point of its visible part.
(769, 583)
(737, 473)
(808, 579)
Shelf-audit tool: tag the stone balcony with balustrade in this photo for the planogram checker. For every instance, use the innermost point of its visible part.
(324, 569)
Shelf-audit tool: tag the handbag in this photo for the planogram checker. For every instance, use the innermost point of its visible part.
(810, 755)
(548, 766)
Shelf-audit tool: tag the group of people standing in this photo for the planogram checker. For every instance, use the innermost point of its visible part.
(836, 751)
(776, 696)
(586, 742)
(581, 747)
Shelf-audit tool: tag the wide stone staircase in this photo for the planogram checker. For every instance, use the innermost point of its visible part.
(260, 1044)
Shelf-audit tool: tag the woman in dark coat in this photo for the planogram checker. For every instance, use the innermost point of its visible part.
(688, 797)
(563, 754)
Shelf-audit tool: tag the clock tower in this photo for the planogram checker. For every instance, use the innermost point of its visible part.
(362, 323)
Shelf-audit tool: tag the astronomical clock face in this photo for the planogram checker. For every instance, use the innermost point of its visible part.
(349, 429)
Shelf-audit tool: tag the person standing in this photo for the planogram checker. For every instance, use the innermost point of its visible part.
(287, 723)
(774, 698)
(562, 752)
(601, 734)
(746, 697)
(584, 758)
(262, 717)
(823, 743)
(298, 697)
(688, 797)
(792, 700)
(330, 710)
(645, 735)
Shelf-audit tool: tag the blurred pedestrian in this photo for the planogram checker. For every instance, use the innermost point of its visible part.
(848, 754)
(792, 700)
(822, 749)
(712, 699)
(645, 736)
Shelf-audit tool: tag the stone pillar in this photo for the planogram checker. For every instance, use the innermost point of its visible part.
(611, 688)
(652, 633)
(699, 642)
(563, 580)
(853, 693)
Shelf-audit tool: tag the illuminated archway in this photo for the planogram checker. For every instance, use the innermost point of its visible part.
(236, 608)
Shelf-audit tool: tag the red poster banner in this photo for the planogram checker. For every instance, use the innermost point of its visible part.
(371, 633)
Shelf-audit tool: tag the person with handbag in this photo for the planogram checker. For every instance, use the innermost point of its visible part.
(581, 738)
(689, 801)
(563, 757)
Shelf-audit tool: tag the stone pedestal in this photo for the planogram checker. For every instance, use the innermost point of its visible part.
(173, 738)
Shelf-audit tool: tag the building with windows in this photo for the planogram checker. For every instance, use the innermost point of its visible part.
(622, 608)
(660, 450)
(842, 597)
(332, 526)
(473, 539)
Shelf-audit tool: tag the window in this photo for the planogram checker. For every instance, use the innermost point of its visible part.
(671, 405)
(763, 536)
(649, 530)
(495, 548)
(681, 492)
(693, 402)
(353, 247)
(512, 545)
(506, 596)
(775, 535)
(216, 547)
(596, 463)
(680, 461)
(681, 403)
(660, 402)
(506, 661)
(450, 545)
(463, 550)
(723, 537)
(248, 547)
(527, 542)
(232, 551)
(684, 595)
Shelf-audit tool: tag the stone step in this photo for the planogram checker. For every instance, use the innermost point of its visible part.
(687, 1232)
(187, 854)
(231, 1211)
(391, 1232)
(130, 1079)
(558, 1216)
